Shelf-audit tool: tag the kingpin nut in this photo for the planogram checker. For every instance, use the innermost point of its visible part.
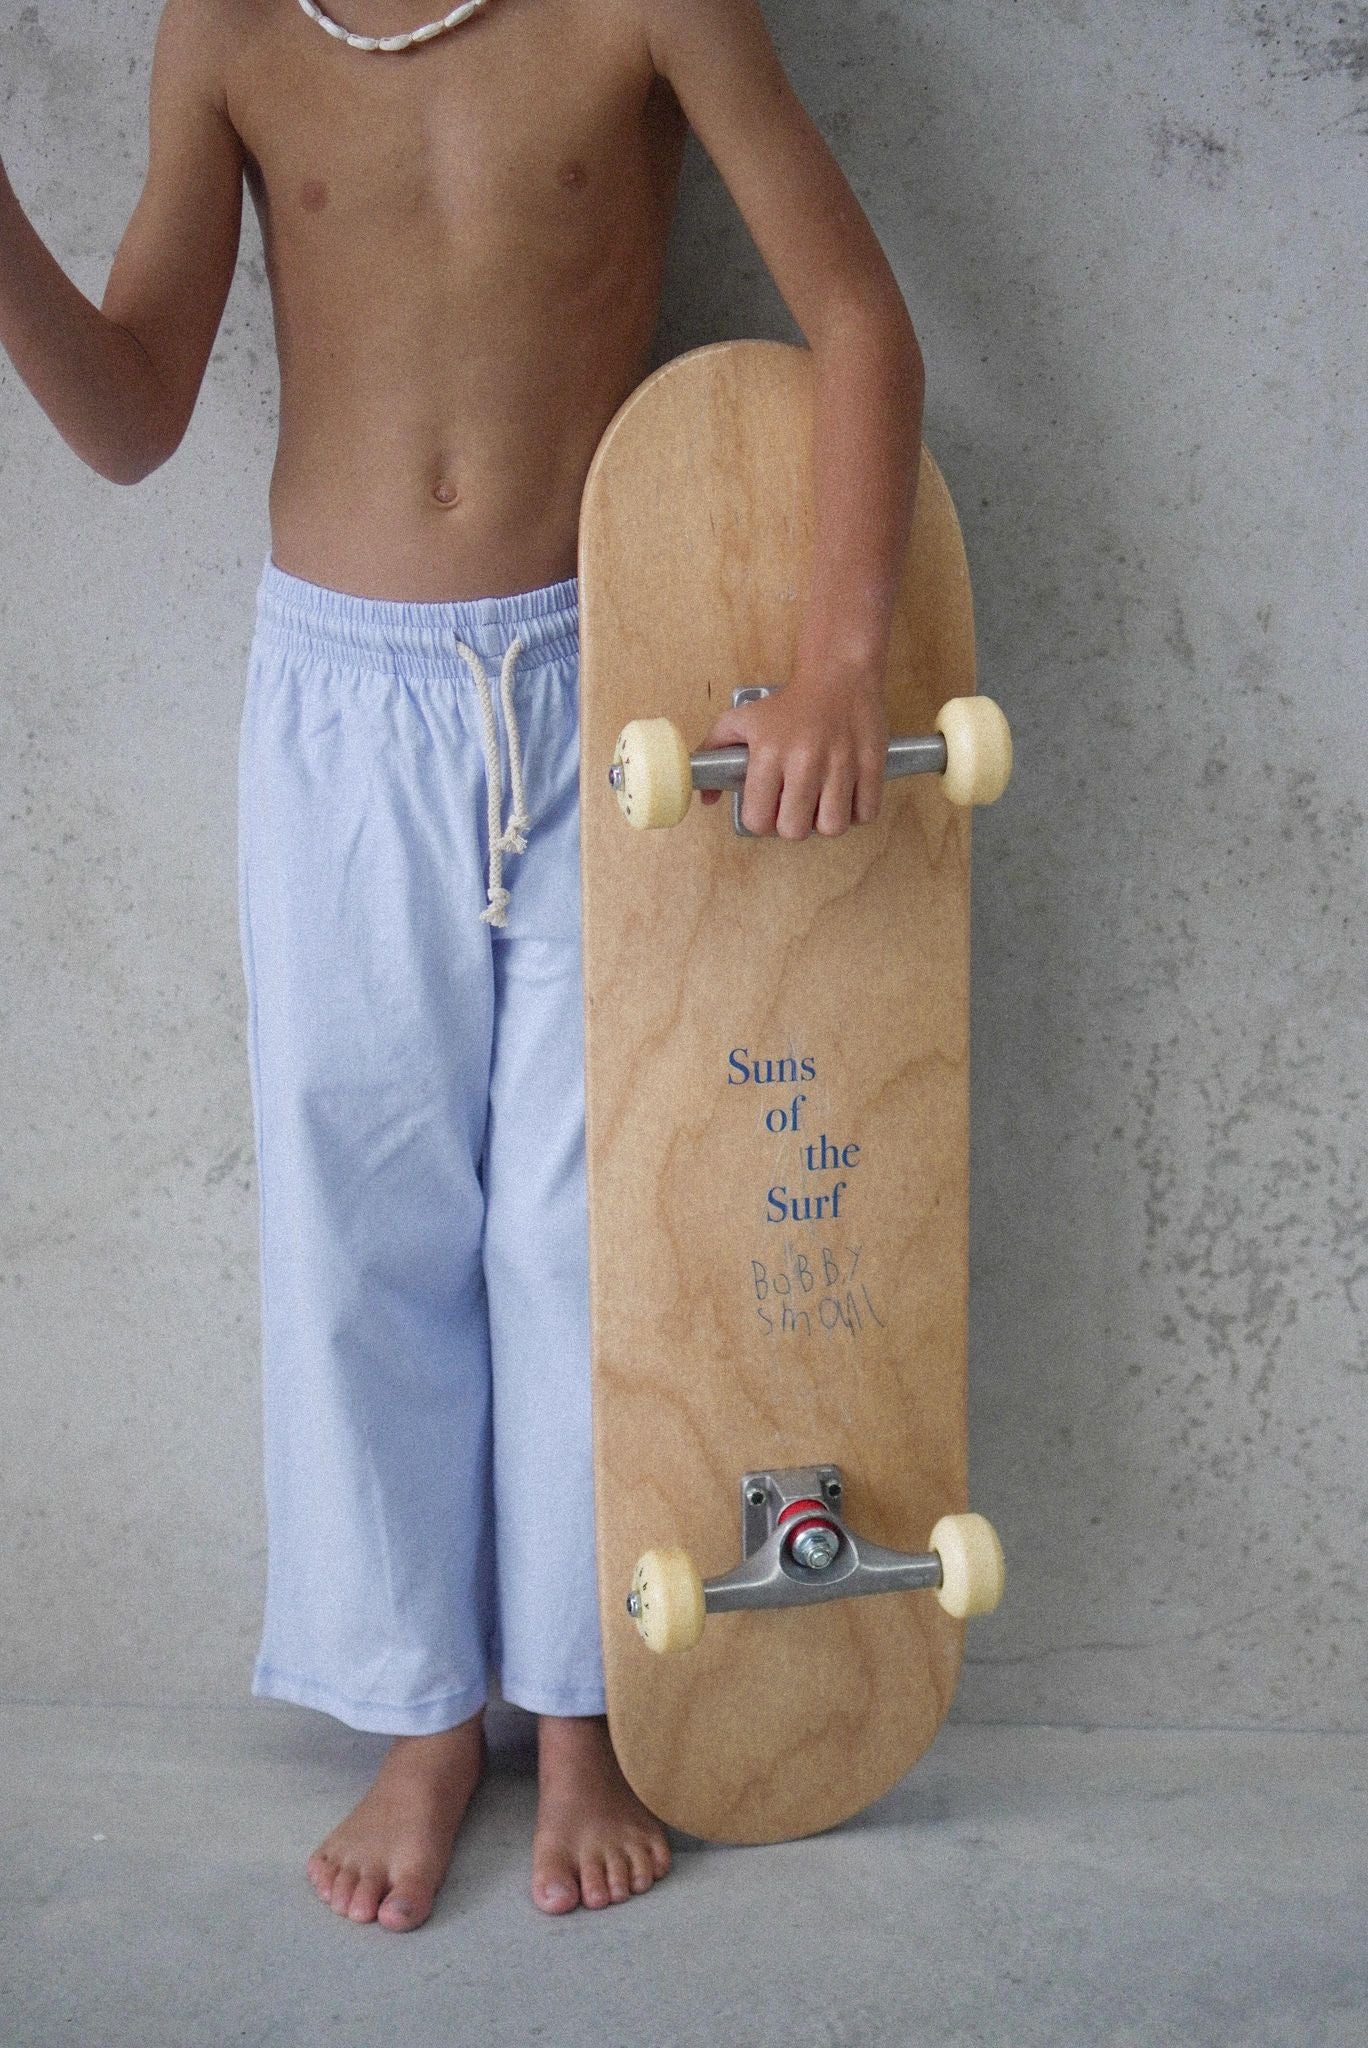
(816, 1548)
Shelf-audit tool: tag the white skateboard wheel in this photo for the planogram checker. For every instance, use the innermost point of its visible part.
(669, 1610)
(978, 749)
(657, 781)
(972, 1566)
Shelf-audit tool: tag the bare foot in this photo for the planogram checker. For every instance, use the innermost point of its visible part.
(595, 1841)
(387, 1859)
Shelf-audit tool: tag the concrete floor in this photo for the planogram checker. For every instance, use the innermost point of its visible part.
(1117, 1889)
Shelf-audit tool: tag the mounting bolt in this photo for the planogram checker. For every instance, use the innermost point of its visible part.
(757, 1496)
(634, 1605)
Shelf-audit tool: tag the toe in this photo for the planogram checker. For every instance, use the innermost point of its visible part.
(660, 1854)
(643, 1870)
(554, 1888)
(404, 1907)
(619, 1875)
(365, 1900)
(322, 1870)
(343, 1885)
(407, 1904)
(594, 1882)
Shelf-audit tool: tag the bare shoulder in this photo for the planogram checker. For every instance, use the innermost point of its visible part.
(734, 30)
(627, 21)
(198, 42)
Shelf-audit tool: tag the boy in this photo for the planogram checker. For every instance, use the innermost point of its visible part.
(465, 231)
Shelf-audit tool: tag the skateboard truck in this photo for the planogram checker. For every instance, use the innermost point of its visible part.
(797, 1548)
(654, 775)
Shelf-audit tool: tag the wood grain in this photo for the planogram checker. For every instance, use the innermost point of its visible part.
(850, 954)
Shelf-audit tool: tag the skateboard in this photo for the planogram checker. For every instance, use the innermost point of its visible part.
(776, 1063)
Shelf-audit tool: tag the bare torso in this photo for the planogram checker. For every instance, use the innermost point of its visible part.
(465, 243)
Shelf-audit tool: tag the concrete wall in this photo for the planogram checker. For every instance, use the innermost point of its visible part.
(1130, 239)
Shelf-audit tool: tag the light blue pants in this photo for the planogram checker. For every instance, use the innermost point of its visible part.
(409, 889)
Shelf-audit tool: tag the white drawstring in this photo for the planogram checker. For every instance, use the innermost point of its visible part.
(513, 839)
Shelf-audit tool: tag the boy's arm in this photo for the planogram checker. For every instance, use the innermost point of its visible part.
(824, 739)
(119, 382)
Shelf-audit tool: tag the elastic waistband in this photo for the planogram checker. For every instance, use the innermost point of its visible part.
(399, 634)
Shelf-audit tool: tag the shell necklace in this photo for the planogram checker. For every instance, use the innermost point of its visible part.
(417, 35)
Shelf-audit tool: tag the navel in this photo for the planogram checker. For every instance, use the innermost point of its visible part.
(313, 194)
(446, 493)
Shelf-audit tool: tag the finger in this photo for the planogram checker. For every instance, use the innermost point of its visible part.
(834, 804)
(760, 798)
(798, 802)
(869, 790)
(728, 728)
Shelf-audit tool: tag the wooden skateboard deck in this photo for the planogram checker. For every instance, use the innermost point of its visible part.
(764, 1296)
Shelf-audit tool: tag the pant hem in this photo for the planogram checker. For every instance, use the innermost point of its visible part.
(553, 1699)
(373, 1717)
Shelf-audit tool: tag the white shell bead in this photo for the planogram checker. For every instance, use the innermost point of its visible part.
(417, 35)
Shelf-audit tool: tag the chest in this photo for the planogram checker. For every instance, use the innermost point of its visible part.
(522, 125)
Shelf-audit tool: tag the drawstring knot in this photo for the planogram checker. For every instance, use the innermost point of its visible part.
(511, 838)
